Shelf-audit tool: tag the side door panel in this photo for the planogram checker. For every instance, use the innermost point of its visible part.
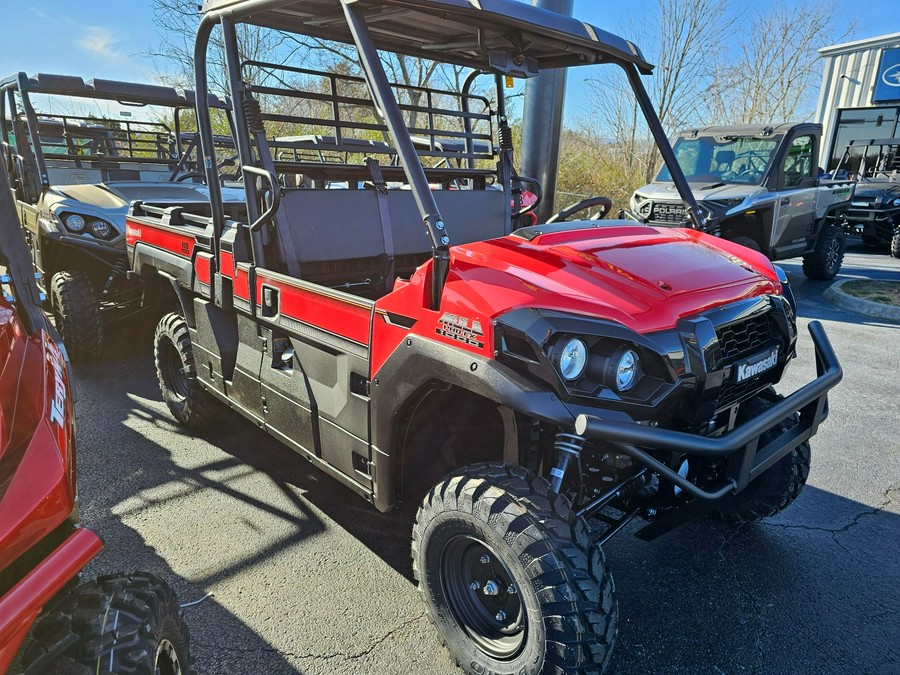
(315, 373)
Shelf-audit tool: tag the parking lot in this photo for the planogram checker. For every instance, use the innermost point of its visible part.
(307, 578)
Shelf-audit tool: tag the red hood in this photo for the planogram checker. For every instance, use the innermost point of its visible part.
(645, 278)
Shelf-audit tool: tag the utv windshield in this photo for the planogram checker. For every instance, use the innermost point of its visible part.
(716, 159)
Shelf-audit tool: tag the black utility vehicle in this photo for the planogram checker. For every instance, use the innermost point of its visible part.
(532, 389)
(874, 212)
(75, 175)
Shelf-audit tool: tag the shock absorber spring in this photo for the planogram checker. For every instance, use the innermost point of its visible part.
(253, 113)
(504, 133)
(119, 268)
(568, 447)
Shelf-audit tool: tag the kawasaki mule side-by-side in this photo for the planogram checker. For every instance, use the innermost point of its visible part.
(48, 622)
(536, 388)
(74, 176)
(759, 186)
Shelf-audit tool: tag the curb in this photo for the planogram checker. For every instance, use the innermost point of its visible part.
(839, 298)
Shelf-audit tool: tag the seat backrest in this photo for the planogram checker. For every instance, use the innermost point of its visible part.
(330, 225)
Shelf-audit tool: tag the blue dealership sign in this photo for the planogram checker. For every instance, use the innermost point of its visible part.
(887, 86)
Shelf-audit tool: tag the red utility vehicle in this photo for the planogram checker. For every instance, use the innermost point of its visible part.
(541, 386)
(115, 624)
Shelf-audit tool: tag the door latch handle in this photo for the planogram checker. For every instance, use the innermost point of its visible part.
(785, 201)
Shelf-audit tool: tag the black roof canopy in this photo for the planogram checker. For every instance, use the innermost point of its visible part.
(456, 31)
(110, 90)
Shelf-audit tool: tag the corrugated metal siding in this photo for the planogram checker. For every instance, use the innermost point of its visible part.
(848, 80)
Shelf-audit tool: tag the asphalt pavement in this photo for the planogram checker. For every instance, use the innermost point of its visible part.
(306, 577)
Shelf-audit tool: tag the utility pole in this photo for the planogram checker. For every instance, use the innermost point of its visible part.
(542, 121)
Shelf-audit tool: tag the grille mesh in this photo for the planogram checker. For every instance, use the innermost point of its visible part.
(741, 340)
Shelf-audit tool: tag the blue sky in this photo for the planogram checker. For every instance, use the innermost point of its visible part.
(106, 38)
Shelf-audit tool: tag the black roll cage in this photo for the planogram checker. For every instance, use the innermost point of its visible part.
(125, 93)
(529, 38)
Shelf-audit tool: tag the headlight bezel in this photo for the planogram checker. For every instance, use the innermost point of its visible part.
(88, 227)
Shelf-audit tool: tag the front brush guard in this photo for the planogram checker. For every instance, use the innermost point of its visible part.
(741, 445)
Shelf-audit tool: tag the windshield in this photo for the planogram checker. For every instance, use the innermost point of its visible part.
(722, 159)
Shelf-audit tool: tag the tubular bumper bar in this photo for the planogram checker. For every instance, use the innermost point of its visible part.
(741, 446)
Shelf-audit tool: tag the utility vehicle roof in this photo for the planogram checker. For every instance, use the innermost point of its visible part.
(751, 129)
(111, 90)
(455, 31)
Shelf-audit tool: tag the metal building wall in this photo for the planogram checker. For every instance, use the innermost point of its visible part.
(848, 80)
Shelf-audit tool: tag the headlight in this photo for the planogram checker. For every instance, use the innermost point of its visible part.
(627, 370)
(100, 229)
(573, 359)
(75, 222)
(896, 202)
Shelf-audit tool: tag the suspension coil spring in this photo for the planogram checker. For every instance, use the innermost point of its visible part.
(253, 114)
(567, 447)
(504, 132)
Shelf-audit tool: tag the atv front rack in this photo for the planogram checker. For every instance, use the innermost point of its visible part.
(747, 460)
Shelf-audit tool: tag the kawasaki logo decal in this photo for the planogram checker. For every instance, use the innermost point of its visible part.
(757, 365)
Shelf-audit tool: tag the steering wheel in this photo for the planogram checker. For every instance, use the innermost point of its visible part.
(605, 204)
(192, 174)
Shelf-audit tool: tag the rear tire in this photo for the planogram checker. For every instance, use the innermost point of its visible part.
(748, 242)
(551, 605)
(895, 245)
(780, 485)
(824, 262)
(173, 354)
(76, 310)
(116, 624)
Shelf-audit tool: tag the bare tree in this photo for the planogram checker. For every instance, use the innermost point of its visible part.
(776, 72)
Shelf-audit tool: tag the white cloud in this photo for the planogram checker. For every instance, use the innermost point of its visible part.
(99, 41)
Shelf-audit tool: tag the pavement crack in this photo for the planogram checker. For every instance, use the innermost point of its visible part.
(887, 500)
(312, 655)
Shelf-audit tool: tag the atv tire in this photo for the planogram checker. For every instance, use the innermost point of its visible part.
(747, 242)
(777, 487)
(188, 402)
(824, 262)
(510, 576)
(895, 245)
(76, 310)
(116, 624)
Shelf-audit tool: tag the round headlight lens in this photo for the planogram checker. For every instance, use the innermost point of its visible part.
(573, 359)
(100, 229)
(75, 222)
(896, 202)
(627, 370)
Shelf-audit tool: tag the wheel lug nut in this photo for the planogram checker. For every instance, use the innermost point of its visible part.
(501, 616)
(474, 586)
(485, 559)
(512, 590)
(491, 588)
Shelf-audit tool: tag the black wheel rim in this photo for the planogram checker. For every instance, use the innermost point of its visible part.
(833, 254)
(167, 662)
(173, 369)
(483, 597)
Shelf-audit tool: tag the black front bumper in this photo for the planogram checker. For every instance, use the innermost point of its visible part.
(747, 460)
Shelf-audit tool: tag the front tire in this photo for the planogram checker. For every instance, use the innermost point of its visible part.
(895, 245)
(116, 624)
(76, 311)
(176, 370)
(824, 262)
(780, 485)
(748, 243)
(510, 576)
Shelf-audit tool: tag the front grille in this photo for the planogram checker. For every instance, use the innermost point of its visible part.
(669, 213)
(744, 338)
(739, 340)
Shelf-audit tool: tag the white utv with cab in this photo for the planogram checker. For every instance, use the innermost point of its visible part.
(759, 186)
